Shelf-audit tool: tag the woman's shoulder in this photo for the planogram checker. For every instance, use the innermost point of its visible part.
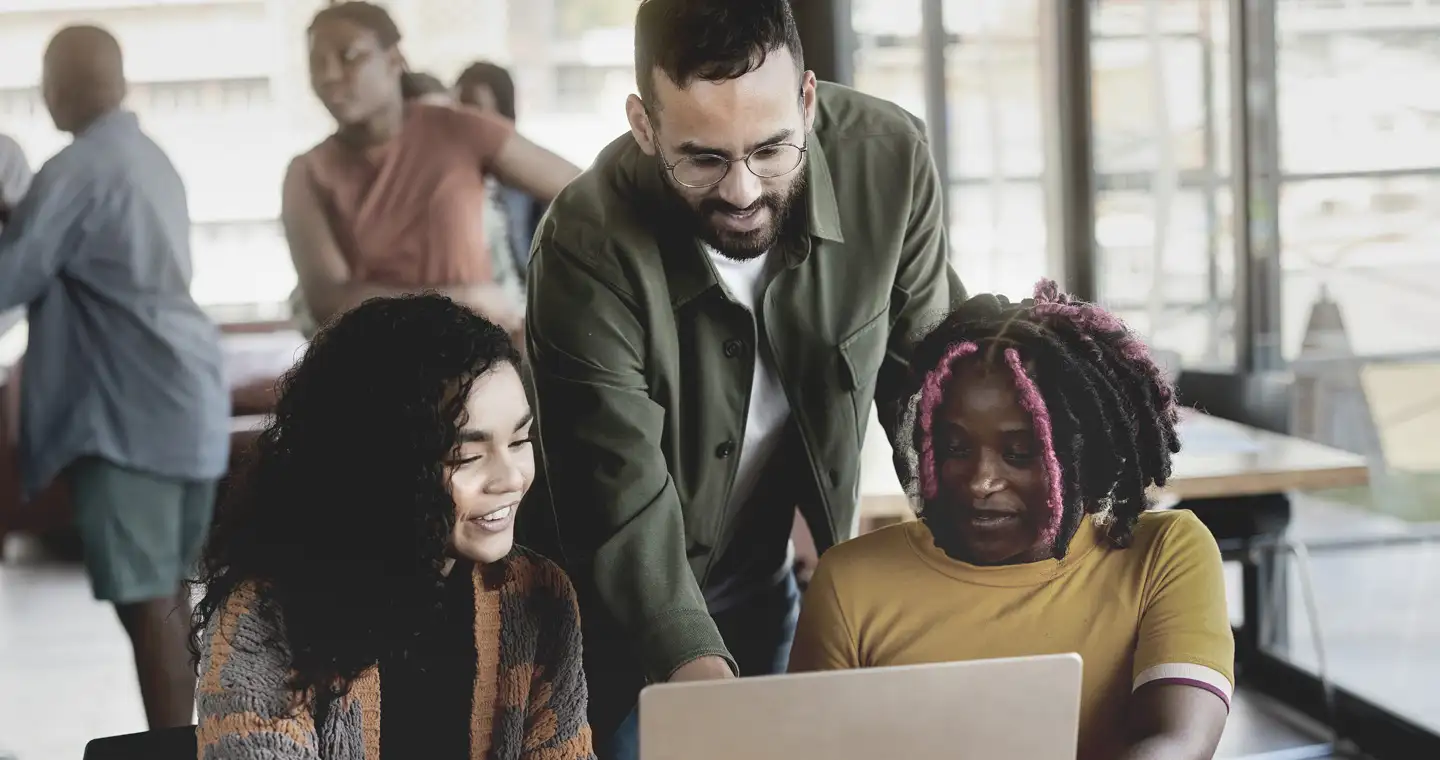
(864, 553)
(532, 574)
(1167, 530)
(241, 614)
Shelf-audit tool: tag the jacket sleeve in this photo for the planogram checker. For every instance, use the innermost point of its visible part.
(557, 723)
(243, 700)
(926, 286)
(616, 510)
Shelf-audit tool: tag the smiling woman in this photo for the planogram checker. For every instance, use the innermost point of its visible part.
(368, 552)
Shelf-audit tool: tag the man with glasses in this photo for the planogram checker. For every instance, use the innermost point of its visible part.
(713, 308)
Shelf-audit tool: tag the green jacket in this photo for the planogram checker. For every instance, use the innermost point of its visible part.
(642, 364)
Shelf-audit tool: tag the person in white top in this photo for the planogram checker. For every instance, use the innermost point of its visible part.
(714, 307)
(15, 176)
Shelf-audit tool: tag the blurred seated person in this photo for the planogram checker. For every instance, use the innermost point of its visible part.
(1035, 430)
(507, 267)
(15, 176)
(491, 89)
(420, 87)
(393, 202)
(367, 560)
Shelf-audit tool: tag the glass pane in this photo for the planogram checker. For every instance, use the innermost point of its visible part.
(997, 236)
(1374, 621)
(1360, 234)
(888, 59)
(1166, 255)
(993, 87)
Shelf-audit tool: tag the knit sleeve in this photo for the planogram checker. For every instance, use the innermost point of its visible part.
(557, 726)
(243, 699)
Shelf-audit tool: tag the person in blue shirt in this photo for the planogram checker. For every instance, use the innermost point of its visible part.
(123, 394)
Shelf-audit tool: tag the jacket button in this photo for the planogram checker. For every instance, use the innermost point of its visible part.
(733, 348)
(725, 449)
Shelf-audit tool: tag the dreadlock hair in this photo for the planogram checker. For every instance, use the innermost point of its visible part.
(367, 15)
(1104, 413)
(341, 518)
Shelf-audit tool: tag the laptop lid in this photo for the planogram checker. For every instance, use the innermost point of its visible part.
(1025, 708)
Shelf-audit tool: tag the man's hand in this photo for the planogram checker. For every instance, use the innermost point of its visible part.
(708, 668)
(806, 555)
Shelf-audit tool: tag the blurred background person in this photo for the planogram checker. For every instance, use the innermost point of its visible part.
(393, 201)
(14, 175)
(124, 394)
(490, 88)
(420, 87)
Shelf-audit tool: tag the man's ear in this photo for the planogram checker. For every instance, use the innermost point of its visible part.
(807, 98)
(640, 126)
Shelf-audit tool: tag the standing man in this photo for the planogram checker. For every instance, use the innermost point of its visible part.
(714, 306)
(123, 393)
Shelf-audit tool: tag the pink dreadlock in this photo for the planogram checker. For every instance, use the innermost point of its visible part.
(931, 394)
(1035, 405)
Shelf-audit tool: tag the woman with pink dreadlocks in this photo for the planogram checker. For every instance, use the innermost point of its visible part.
(1037, 429)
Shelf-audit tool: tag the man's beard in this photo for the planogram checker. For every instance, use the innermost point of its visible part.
(743, 246)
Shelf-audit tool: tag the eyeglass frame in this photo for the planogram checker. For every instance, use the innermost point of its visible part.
(730, 163)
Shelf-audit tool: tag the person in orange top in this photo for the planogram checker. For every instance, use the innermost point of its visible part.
(393, 202)
(1037, 428)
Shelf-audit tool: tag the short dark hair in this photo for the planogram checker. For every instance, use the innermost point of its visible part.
(418, 84)
(484, 73)
(713, 40)
(1105, 414)
(367, 15)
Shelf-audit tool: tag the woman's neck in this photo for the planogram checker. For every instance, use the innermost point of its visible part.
(377, 130)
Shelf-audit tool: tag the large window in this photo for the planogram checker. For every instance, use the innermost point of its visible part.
(994, 141)
(1160, 89)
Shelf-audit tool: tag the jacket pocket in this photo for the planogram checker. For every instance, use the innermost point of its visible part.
(861, 354)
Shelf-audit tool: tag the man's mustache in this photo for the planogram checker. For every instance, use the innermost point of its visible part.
(714, 205)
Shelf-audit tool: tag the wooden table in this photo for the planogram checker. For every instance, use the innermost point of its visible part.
(1218, 459)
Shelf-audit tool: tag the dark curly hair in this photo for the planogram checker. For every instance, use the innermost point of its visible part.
(1104, 413)
(340, 520)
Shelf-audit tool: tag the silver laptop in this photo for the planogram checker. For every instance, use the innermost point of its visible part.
(1025, 708)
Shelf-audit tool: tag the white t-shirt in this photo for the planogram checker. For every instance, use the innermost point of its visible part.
(769, 410)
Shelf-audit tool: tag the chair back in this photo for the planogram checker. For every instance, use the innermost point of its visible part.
(165, 744)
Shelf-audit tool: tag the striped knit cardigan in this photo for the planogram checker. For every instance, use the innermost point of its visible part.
(529, 701)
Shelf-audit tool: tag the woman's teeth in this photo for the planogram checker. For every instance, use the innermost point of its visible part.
(497, 515)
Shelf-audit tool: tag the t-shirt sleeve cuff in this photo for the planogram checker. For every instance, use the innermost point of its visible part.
(1188, 674)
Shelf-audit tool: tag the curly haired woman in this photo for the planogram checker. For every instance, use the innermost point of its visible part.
(367, 558)
(1037, 429)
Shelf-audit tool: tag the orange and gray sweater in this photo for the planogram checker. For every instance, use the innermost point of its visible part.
(529, 696)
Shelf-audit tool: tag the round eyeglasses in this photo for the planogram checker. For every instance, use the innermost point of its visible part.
(705, 169)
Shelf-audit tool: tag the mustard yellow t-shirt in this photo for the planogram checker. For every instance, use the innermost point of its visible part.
(1153, 612)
